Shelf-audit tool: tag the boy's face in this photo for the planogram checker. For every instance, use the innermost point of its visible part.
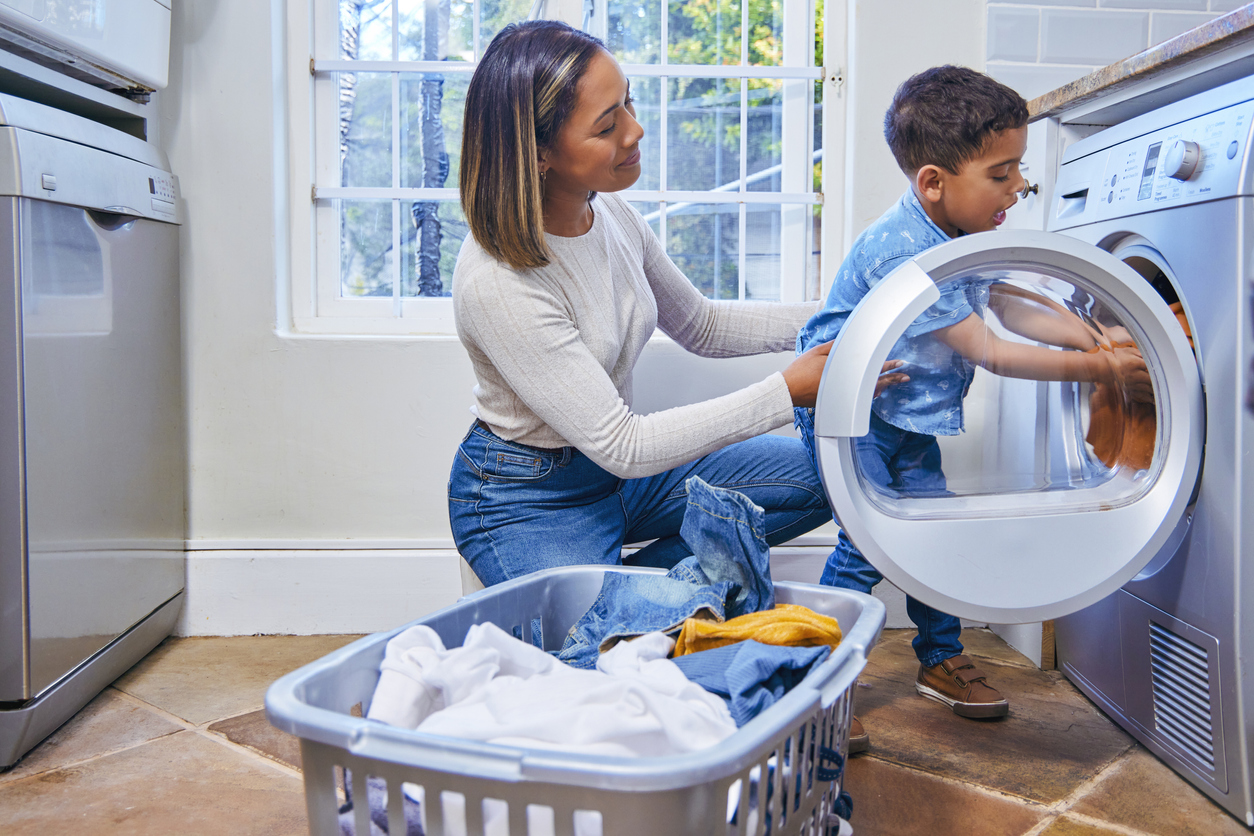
(977, 197)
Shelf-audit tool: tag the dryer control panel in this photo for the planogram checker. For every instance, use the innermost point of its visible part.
(1189, 162)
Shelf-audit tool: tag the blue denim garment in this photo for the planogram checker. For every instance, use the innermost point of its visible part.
(931, 401)
(748, 675)
(516, 509)
(893, 459)
(729, 574)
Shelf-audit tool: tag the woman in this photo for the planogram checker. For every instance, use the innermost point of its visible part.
(555, 294)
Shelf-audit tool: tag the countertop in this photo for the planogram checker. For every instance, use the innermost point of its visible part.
(1234, 29)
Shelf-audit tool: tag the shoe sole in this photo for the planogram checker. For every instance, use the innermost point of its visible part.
(859, 744)
(970, 710)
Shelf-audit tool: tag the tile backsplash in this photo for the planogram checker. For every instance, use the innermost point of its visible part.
(1037, 45)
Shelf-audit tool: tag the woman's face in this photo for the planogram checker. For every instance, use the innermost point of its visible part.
(597, 150)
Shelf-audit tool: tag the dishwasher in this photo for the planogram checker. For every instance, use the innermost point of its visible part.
(92, 452)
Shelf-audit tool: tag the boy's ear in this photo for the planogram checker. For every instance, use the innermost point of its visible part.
(929, 182)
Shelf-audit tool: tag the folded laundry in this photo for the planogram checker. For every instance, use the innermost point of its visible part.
(749, 675)
(729, 574)
(497, 689)
(788, 625)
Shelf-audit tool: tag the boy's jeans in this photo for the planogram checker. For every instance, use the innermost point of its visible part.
(515, 509)
(899, 460)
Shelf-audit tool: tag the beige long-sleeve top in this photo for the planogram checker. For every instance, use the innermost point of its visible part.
(553, 348)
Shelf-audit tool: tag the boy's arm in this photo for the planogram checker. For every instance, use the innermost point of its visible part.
(1039, 319)
(977, 343)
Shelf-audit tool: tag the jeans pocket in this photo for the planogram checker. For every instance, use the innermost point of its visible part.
(503, 463)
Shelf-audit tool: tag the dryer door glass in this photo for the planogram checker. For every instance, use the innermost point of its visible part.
(1047, 441)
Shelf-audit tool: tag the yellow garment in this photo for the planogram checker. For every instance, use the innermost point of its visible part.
(788, 625)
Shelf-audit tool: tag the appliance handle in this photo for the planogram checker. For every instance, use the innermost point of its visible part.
(113, 217)
(843, 407)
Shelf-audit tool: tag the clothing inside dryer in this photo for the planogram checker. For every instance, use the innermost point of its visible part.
(1031, 387)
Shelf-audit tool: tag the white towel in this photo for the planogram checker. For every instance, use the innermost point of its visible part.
(497, 689)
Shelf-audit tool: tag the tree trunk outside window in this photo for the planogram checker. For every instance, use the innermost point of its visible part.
(435, 162)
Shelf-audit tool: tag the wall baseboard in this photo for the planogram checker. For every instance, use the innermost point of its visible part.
(242, 592)
(273, 588)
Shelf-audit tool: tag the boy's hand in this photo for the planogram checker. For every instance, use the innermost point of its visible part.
(1130, 372)
(804, 374)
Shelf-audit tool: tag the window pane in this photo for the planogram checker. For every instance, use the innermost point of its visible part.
(366, 30)
(432, 105)
(496, 14)
(431, 235)
(365, 129)
(765, 232)
(365, 248)
(703, 115)
(648, 104)
(705, 32)
(704, 241)
(461, 31)
(766, 32)
(765, 139)
(635, 31)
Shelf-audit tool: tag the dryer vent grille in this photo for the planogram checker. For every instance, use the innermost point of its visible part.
(1182, 694)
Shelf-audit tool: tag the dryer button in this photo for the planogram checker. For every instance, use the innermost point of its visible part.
(49, 181)
(1232, 149)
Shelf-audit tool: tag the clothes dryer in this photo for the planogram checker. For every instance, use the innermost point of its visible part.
(1075, 499)
(1171, 194)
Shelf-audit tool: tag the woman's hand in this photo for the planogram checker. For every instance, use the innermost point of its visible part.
(804, 374)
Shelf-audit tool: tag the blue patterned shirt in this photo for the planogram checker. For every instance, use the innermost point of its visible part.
(931, 401)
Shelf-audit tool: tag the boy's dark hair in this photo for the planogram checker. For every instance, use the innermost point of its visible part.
(947, 115)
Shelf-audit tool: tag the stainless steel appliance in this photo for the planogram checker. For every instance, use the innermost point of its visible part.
(92, 446)
(1171, 193)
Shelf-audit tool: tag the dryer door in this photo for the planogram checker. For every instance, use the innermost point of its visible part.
(1054, 493)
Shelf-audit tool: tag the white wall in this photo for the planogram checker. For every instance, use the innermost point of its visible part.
(292, 442)
(883, 53)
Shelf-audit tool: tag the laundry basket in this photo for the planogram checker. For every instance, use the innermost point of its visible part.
(780, 773)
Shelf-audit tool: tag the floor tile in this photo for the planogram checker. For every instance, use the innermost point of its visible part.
(1133, 793)
(889, 800)
(207, 679)
(108, 723)
(1069, 826)
(180, 784)
(1053, 741)
(254, 731)
(985, 644)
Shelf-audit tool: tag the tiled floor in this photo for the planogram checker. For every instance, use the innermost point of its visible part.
(180, 745)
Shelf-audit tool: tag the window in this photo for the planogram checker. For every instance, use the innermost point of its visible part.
(730, 93)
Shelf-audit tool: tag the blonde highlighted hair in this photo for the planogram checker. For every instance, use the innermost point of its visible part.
(519, 97)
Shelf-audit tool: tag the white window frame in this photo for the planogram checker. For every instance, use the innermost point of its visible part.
(316, 306)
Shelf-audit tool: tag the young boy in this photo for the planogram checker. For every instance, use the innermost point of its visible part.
(959, 136)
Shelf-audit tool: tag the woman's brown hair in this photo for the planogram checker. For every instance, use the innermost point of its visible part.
(520, 95)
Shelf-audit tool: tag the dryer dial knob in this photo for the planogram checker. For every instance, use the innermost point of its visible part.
(1182, 159)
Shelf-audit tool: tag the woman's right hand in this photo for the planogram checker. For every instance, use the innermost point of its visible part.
(804, 374)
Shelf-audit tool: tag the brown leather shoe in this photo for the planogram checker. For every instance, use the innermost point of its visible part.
(859, 740)
(958, 683)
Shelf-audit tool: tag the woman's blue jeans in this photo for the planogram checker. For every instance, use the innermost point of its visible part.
(516, 509)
